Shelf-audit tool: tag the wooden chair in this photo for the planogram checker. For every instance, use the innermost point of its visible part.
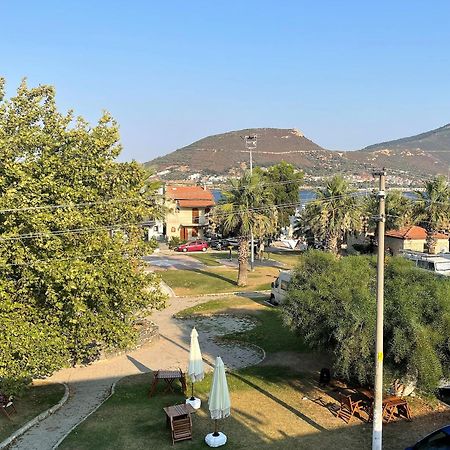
(181, 429)
(348, 408)
(7, 403)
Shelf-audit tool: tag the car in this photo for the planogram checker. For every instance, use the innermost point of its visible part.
(439, 439)
(193, 246)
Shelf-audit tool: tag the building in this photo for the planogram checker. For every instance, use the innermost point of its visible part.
(188, 209)
(413, 238)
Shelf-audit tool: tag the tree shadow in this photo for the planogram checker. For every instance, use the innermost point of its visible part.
(215, 275)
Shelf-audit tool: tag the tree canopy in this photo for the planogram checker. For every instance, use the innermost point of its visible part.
(284, 182)
(332, 306)
(71, 278)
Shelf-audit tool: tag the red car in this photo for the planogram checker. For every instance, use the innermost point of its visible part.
(194, 246)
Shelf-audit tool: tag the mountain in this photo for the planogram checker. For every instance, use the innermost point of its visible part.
(408, 160)
(425, 153)
(225, 154)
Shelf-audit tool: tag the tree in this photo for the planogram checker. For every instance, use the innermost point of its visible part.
(399, 211)
(433, 209)
(246, 207)
(70, 237)
(334, 212)
(331, 304)
(284, 182)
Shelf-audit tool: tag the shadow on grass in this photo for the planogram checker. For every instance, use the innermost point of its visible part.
(215, 275)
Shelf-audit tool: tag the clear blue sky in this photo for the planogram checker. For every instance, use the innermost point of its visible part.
(346, 73)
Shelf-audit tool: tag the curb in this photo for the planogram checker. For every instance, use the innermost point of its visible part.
(222, 294)
(8, 441)
(111, 393)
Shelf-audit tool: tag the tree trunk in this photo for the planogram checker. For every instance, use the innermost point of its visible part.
(243, 261)
(431, 241)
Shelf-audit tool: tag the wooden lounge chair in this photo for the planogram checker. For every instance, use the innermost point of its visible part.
(348, 408)
(181, 429)
(7, 404)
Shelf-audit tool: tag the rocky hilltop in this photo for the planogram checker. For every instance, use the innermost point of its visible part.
(222, 155)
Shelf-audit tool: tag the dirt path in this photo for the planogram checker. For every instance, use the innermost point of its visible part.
(90, 385)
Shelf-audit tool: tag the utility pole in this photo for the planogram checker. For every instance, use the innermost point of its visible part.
(250, 143)
(377, 433)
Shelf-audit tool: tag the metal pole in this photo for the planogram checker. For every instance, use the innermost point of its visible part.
(377, 433)
(252, 238)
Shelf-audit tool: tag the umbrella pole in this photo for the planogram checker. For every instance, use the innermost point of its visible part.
(216, 433)
(192, 391)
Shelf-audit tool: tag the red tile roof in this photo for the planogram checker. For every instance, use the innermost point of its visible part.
(190, 196)
(195, 203)
(414, 232)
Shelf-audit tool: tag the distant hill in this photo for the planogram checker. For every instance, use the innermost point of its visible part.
(425, 153)
(223, 155)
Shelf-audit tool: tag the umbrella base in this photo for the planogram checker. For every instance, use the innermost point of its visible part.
(194, 402)
(215, 441)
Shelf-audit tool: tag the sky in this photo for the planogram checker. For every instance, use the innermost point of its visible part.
(346, 73)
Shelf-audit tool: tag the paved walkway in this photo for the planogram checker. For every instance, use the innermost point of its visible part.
(90, 385)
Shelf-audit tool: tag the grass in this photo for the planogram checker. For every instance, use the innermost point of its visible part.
(212, 258)
(34, 401)
(273, 407)
(289, 259)
(268, 412)
(270, 333)
(216, 280)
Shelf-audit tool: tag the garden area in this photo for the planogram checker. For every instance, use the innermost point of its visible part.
(275, 404)
(33, 401)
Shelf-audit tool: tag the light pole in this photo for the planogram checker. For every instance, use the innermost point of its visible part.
(250, 144)
(377, 432)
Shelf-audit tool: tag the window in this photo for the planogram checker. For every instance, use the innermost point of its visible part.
(284, 285)
(195, 215)
(438, 440)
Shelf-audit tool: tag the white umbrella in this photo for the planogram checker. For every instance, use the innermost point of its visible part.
(196, 370)
(219, 403)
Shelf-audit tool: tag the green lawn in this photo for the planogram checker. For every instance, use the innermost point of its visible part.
(273, 407)
(34, 401)
(212, 258)
(216, 280)
(270, 333)
(289, 259)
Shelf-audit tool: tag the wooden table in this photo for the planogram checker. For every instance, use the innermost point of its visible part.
(175, 411)
(169, 377)
(391, 405)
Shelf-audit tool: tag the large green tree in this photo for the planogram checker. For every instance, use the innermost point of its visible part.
(71, 277)
(284, 182)
(247, 207)
(433, 209)
(334, 212)
(332, 305)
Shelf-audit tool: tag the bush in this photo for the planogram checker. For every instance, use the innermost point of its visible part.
(175, 241)
(332, 304)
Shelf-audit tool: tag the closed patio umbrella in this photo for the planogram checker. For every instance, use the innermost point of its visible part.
(195, 368)
(218, 403)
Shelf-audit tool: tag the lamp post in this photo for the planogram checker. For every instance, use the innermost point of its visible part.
(250, 144)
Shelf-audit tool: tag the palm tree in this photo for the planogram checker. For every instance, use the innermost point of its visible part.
(399, 211)
(246, 208)
(334, 212)
(433, 209)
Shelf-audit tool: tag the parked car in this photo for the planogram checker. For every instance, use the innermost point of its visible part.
(194, 246)
(439, 439)
(280, 287)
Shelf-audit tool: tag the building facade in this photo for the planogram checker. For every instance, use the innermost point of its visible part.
(188, 211)
(413, 238)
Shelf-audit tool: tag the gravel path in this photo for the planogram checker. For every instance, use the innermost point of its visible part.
(90, 385)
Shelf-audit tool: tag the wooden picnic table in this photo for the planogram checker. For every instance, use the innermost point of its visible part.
(169, 377)
(391, 405)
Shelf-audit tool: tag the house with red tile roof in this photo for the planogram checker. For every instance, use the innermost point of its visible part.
(189, 208)
(413, 238)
